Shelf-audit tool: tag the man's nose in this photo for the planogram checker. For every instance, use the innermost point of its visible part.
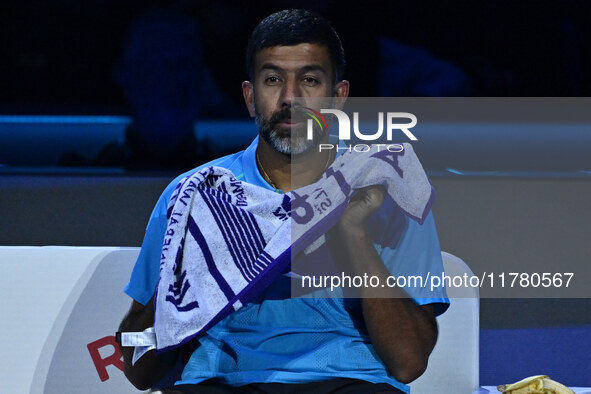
(290, 92)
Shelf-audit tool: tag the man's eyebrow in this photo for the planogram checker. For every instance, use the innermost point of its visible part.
(303, 70)
(270, 66)
(312, 67)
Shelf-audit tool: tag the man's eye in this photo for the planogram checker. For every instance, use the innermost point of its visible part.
(272, 80)
(311, 81)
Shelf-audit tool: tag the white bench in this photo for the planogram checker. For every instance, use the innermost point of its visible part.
(61, 306)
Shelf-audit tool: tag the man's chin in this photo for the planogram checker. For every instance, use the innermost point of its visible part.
(293, 148)
(303, 147)
(288, 130)
(291, 141)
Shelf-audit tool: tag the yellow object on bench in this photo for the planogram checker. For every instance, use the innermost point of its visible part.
(539, 384)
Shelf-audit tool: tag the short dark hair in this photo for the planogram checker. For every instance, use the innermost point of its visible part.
(293, 27)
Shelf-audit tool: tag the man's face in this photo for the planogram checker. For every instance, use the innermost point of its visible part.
(282, 75)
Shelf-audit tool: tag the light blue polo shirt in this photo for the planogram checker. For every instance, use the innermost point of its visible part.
(276, 338)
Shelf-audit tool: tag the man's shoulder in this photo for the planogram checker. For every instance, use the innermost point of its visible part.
(232, 162)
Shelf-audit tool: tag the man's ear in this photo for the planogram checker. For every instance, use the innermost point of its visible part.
(341, 93)
(247, 92)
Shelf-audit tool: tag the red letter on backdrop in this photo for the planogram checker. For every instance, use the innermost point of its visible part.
(101, 363)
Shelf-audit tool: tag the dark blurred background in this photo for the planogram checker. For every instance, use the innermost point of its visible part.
(59, 56)
(71, 71)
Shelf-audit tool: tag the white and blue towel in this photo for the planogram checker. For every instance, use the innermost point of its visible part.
(226, 239)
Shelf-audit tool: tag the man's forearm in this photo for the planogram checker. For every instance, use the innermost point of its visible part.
(150, 368)
(402, 333)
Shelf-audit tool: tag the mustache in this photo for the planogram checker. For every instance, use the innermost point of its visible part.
(287, 114)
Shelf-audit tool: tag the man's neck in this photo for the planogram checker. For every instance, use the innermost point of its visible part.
(287, 173)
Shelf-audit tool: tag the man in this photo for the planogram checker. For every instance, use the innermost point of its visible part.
(276, 343)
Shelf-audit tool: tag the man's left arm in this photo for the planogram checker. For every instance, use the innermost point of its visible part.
(402, 332)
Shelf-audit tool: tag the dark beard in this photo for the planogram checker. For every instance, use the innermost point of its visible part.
(290, 145)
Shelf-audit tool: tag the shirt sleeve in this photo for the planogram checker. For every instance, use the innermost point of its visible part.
(412, 254)
(146, 272)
